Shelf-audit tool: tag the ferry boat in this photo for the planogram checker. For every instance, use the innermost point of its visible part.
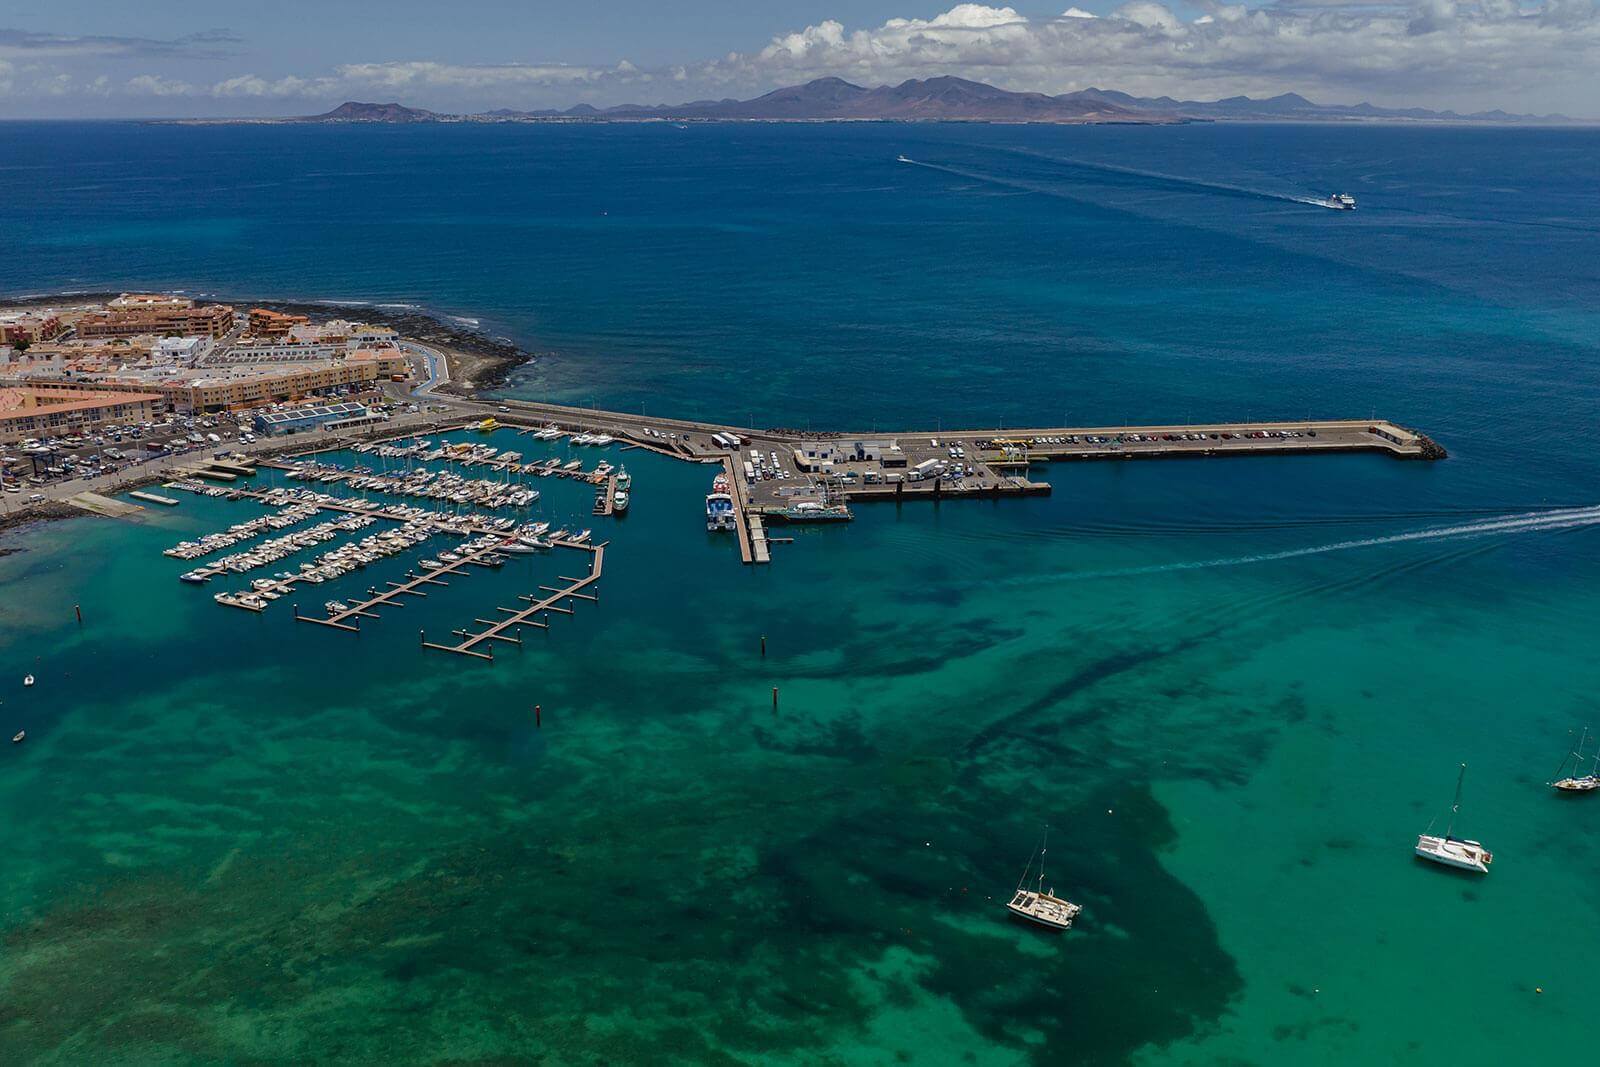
(1576, 782)
(1038, 906)
(719, 505)
(1454, 851)
(1340, 202)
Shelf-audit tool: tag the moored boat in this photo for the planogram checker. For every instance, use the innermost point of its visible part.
(1576, 782)
(1038, 906)
(1452, 851)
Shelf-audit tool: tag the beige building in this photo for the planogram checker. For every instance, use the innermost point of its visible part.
(132, 314)
(26, 411)
(218, 392)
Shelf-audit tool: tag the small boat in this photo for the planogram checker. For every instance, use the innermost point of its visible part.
(1452, 851)
(581, 536)
(1038, 906)
(1341, 202)
(19, 737)
(27, 680)
(336, 606)
(1576, 782)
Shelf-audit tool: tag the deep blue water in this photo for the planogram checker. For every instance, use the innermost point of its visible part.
(1239, 688)
(786, 274)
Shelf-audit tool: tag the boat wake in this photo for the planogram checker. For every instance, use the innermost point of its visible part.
(1176, 180)
(1529, 522)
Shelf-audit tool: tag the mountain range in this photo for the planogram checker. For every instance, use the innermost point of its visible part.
(946, 99)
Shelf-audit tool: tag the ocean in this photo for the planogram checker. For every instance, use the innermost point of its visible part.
(1235, 689)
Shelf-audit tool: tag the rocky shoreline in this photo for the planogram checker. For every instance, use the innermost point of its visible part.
(477, 361)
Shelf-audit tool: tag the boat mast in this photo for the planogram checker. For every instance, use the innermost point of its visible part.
(1044, 846)
(1455, 807)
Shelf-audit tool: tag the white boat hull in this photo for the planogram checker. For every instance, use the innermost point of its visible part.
(1043, 909)
(1451, 852)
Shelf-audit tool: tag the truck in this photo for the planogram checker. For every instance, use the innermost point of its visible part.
(928, 468)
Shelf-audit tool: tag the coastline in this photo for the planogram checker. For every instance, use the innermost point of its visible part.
(477, 361)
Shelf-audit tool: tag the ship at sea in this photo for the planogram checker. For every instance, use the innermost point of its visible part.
(719, 505)
(1340, 202)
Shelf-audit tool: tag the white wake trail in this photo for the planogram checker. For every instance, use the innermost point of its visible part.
(1561, 519)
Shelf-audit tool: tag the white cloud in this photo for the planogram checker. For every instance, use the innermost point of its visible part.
(1430, 52)
(424, 74)
(1425, 51)
(155, 85)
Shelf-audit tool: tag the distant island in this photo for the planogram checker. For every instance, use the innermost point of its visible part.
(942, 99)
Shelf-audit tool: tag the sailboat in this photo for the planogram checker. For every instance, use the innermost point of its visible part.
(1573, 783)
(1037, 906)
(1454, 851)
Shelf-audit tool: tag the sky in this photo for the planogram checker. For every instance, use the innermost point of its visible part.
(181, 58)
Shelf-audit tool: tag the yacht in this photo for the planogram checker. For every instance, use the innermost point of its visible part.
(1576, 782)
(1341, 202)
(619, 501)
(624, 479)
(336, 606)
(1454, 851)
(1038, 906)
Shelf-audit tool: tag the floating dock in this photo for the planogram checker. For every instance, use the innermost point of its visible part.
(166, 501)
(516, 618)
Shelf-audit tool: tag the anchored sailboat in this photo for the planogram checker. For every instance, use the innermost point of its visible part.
(1576, 782)
(1037, 906)
(1454, 851)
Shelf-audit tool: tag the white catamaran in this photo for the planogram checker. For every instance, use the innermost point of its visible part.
(1037, 906)
(1454, 851)
(1577, 781)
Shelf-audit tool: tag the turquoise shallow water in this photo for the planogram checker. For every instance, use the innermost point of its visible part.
(1236, 689)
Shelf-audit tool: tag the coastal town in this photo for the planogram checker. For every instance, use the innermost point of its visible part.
(100, 397)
